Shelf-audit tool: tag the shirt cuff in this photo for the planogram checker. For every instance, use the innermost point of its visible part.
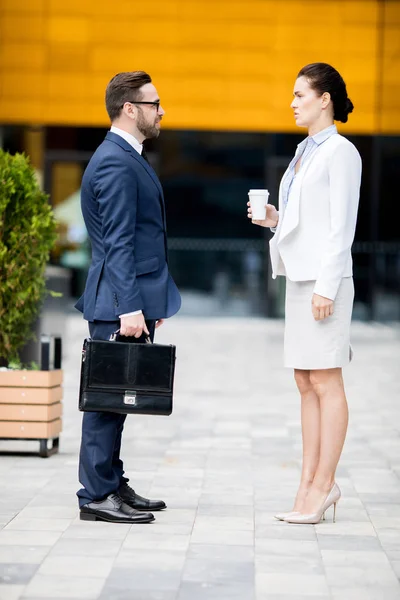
(136, 312)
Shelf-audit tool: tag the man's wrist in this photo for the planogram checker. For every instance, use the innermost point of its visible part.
(131, 314)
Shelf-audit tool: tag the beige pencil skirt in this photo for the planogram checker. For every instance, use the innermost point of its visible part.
(311, 344)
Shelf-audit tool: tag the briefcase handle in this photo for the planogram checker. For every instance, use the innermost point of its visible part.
(116, 334)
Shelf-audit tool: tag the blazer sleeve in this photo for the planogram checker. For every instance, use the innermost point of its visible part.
(344, 193)
(116, 191)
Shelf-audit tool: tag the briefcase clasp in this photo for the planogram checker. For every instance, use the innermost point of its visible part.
(130, 398)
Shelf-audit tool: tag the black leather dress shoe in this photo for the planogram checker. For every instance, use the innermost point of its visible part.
(130, 497)
(113, 510)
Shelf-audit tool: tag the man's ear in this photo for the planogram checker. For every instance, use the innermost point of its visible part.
(129, 110)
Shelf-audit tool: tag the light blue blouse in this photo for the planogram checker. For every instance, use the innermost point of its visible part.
(307, 149)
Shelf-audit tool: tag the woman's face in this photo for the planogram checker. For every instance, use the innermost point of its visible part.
(307, 105)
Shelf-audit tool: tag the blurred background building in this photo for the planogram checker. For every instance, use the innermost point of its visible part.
(225, 71)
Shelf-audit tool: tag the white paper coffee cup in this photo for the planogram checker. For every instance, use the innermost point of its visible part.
(258, 202)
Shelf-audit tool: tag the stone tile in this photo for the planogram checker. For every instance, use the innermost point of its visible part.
(28, 538)
(99, 530)
(32, 555)
(218, 571)
(297, 596)
(49, 512)
(345, 528)
(155, 578)
(226, 498)
(295, 548)
(221, 552)
(215, 510)
(269, 563)
(116, 594)
(156, 541)
(56, 586)
(147, 559)
(239, 523)
(349, 542)
(222, 536)
(280, 583)
(77, 566)
(94, 547)
(339, 557)
(17, 573)
(366, 593)
(191, 590)
(396, 567)
(285, 531)
(50, 500)
(11, 592)
(29, 524)
(382, 576)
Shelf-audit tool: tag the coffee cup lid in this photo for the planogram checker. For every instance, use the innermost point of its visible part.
(260, 192)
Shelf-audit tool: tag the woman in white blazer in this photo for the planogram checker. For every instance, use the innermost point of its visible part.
(314, 231)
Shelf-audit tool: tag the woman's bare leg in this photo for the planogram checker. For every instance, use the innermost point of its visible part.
(310, 427)
(328, 385)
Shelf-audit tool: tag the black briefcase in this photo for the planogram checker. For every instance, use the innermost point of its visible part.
(127, 378)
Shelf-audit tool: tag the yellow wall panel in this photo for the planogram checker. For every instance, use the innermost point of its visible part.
(21, 110)
(133, 10)
(24, 6)
(68, 86)
(23, 85)
(116, 60)
(216, 63)
(392, 13)
(22, 56)
(123, 33)
(64, 29)
(360, 13)
(71, 7)
(22, 28)
(68, 57)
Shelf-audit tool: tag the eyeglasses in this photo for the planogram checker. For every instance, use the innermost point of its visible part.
(156, 103)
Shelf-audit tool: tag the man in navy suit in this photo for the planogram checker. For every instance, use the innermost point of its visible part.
(128, 285)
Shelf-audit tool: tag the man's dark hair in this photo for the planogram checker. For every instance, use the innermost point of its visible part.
(124, 87)
(324, 78)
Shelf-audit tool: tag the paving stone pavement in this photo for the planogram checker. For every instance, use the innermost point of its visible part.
(225, 462)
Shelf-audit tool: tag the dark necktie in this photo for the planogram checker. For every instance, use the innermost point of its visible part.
(144, 154)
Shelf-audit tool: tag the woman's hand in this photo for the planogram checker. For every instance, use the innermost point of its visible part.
(321, 307)
(271, 219)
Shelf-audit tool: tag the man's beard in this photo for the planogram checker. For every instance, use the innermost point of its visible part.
(149, 131)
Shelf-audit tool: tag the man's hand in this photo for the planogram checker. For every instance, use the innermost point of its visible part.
(159, 323)
(135, 325)
(272, 216)
(321, 307)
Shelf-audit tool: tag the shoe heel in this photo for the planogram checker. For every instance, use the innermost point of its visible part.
(334, 512)
(87, 517)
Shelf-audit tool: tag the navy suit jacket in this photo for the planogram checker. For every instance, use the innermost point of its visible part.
(123, 208)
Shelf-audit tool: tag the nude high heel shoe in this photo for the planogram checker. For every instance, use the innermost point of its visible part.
(332, 498)
(285, 515)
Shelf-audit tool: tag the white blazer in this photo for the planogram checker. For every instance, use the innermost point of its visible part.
(316, 229)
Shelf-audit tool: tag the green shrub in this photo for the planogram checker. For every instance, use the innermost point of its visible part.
(27, 234)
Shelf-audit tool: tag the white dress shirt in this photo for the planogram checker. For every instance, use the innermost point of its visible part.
(138, 147)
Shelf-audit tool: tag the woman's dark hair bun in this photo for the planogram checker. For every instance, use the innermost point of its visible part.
(324, 78)
(342, 109)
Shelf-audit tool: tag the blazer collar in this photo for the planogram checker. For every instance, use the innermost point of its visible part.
(117, 139)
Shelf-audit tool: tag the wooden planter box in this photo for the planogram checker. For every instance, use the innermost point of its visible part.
(30, 407)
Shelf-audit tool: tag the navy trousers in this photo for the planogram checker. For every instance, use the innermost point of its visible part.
(101, 470)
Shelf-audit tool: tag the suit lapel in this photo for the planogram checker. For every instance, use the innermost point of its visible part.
(292, 211)
(117, 139)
